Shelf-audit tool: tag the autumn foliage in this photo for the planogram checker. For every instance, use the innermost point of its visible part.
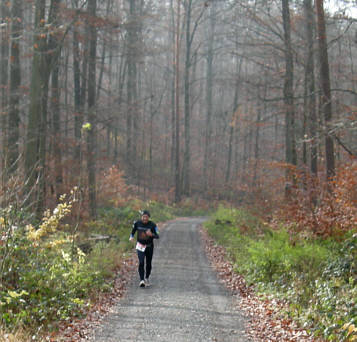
(112, 186)
(323, 208)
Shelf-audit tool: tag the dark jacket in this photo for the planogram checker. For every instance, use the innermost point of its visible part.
(142, 228)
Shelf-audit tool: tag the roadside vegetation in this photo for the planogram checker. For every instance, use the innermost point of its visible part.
(315, 277)
(52, 270)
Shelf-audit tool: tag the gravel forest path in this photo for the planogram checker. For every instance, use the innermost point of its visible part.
(186, 302)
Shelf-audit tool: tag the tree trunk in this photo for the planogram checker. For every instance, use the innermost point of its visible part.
(310, 85)
(209, 94)
(230, 149)
(233, 131)
(35, 133)
(326, 105)
(91, 135)
(256, 146)
(109, 99)
(78, 115)
(121, 81)
(246, 139)
(5, 13)
(187, 154)
(131, 82)
(42, 63)
(177, 108)
(56, 134)
(172, 95)
(101, 72)
(290, 149)
(151, 141)
(15, 92)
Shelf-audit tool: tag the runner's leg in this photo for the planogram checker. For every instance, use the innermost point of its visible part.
(141, 256)
(149, 251)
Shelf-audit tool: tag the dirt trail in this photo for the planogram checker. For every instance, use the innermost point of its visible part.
(186, 302)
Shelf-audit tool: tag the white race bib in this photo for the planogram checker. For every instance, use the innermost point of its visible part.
(140, 247)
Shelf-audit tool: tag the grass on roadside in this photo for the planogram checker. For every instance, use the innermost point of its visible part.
(18, 335)
(317, 277)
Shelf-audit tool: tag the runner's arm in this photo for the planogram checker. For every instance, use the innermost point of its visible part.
(155, 233)
(133, 231)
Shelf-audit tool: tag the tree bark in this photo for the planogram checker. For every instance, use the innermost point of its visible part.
(230, 149)
(326, 105)
(92, 132)
(209, 93)
(177, 108)
(256, 143)
(121, 81)
(173, 93)
(46, 52)
(131, 82)
(35, 127)
(15, 91)
(290, 149)
(56, 134)
(78, 115)
(233, 134)
(310, 85)
(5, 14)
(187, 154)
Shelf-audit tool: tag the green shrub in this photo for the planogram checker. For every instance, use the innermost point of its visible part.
(317, 277)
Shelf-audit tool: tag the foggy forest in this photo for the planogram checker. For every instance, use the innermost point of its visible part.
(215, 106)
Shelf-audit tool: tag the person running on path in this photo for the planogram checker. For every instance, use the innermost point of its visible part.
(147, 232)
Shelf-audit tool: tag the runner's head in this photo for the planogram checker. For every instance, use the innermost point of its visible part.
(145, 216)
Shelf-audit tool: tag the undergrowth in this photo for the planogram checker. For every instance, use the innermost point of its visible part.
(316, 277)
(51, 271)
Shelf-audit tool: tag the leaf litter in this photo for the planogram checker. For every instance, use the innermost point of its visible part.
(264, 316)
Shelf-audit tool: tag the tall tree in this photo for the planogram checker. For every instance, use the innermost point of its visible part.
(209, 92)
(15, 82)
(45, 56)
(290, 149)
(37, 114)
(131, 45)
(234, 122)
(187, 153)
(78, 110)
(4, 65)
(177, 107)
(92, 132)
(326, 105)
(172, 39)
(310, 98)
(56, 134)
(190, 36)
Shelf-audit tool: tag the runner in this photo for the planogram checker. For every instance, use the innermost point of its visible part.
(147, 232)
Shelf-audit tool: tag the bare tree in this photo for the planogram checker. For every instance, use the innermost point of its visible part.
(177, 107)
(92, 132)
(15, 90)
(290, 149)
(45, 56)
(5, 14)
(326, 105)
(209, 92)
(310, 98)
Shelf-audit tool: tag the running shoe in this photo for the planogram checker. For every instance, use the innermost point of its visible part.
(147, 282)
(142, 283)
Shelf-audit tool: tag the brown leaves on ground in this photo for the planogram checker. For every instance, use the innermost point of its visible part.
(265, 322)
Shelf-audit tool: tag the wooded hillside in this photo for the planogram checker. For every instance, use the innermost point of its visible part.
(244, 110)
(216, 99)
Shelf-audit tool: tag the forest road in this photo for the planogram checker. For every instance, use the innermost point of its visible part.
(186, 302)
